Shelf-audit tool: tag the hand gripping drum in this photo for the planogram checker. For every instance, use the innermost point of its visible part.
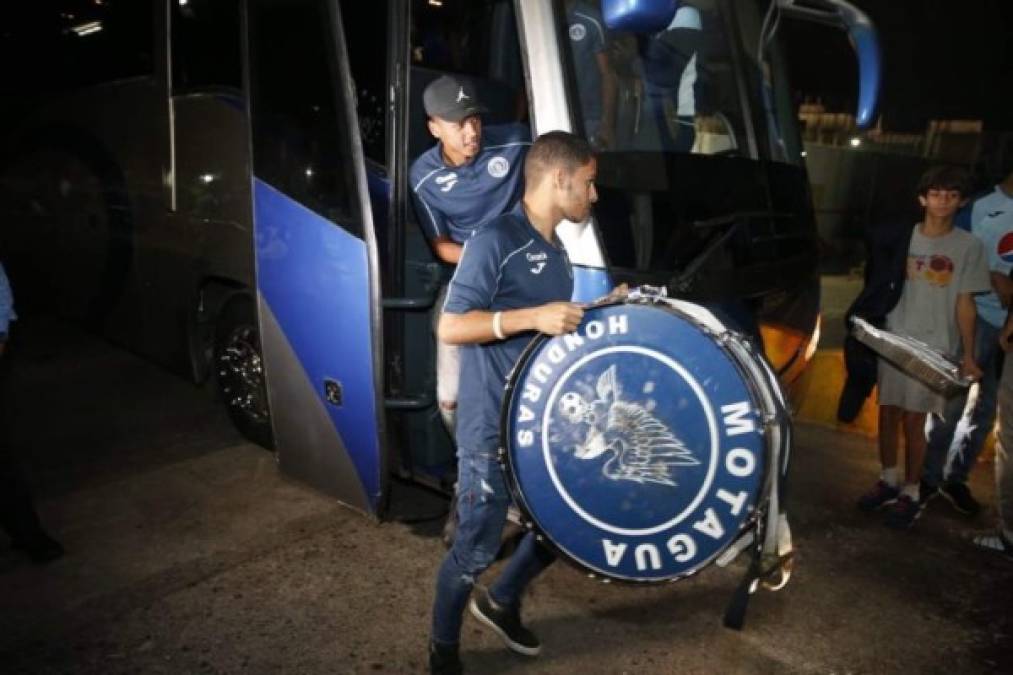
(650, 443)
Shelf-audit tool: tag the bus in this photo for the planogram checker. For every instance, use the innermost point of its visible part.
(221, 186)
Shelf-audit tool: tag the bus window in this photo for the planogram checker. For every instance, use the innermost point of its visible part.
(205, 45)
(675, 90)
(366, 36)
(73, 43)
(296, 99)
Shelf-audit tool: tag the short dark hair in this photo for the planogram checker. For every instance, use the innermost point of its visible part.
(556, 148)
(945, 177)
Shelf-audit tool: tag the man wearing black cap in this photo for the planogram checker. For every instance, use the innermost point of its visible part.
(469, 177)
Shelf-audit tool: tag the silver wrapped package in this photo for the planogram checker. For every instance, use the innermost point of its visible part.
(922, 362)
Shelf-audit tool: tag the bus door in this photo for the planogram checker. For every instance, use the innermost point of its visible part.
(315, 253)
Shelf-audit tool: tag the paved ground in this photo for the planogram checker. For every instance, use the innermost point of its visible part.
(188, 553)
(837, 292)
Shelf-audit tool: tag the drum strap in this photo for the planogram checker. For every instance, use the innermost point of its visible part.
(772, 550)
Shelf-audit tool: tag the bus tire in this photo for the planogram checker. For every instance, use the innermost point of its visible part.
(239, 371)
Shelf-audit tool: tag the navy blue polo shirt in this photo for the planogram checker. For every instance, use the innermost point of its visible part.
(587, 39)
(455, 201)
(506, 265)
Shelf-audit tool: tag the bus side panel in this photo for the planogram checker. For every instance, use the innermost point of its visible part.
(313, 283)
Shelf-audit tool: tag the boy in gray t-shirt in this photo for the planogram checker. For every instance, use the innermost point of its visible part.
(945, 268)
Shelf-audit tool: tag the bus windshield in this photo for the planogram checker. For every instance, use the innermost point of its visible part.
(699, 152)
(685, 89)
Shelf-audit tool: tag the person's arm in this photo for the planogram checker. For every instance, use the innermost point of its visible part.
(446, 249)
(609, 95)
(476, 326)
(967, 313)
(434, 226)
(1006, 333)
(1003, 287)
(467, 317)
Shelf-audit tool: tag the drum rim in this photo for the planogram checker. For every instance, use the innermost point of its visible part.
(752, 521)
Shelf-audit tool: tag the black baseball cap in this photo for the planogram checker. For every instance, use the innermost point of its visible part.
(452, 97)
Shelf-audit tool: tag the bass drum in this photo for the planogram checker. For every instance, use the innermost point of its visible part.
(639, 447)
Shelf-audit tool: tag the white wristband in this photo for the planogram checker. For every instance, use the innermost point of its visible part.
(497, 326)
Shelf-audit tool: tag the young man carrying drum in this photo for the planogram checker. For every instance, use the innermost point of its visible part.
(514, 279)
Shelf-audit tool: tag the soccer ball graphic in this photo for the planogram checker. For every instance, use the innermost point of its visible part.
(572, 407)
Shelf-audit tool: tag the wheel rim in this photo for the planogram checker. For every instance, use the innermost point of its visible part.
(241, 373)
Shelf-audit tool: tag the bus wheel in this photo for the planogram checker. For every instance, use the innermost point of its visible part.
(239, 371)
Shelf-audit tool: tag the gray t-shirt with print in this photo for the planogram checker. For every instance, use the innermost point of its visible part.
(938, 269)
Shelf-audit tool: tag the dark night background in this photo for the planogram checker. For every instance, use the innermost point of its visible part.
(941, 60)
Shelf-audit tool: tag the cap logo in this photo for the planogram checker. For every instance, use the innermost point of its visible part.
(461, 96)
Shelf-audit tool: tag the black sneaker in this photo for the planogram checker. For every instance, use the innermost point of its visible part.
(904, 513)
(927, 492)
(959, 495)
(444, 660)
(879, 496)
(506, 622)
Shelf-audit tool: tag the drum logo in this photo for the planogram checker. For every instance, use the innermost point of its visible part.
(640, 447)
(638, 451)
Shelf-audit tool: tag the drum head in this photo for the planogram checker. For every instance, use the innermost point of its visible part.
(635, 445)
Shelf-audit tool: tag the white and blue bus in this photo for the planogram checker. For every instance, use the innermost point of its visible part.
(221, 186)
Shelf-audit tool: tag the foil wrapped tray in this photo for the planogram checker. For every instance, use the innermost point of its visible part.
(926, 364)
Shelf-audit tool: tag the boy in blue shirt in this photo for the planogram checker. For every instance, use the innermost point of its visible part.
(513, 280)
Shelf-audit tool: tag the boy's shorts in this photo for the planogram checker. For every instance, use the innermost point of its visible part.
(899, 389)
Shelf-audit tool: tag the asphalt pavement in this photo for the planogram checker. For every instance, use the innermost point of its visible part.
(188, 552)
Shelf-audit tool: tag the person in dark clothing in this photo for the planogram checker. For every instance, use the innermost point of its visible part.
(513, 281)
(17, 513)
(886, 264)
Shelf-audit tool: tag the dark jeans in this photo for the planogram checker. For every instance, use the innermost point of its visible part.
(17, 514)
(954, 443)
(482, 501)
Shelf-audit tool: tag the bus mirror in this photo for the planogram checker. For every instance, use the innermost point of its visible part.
(864, 40)
(638, 16)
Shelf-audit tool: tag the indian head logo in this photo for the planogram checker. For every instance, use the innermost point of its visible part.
(635, 443)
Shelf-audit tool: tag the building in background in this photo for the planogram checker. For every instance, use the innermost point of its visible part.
(860, 179)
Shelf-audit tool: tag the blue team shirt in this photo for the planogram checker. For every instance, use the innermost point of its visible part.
(456, 201)
(6, 302)
(506, 265)
(587, 40)
(990, 219)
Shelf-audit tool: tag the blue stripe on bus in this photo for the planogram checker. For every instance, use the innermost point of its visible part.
(314, 275)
